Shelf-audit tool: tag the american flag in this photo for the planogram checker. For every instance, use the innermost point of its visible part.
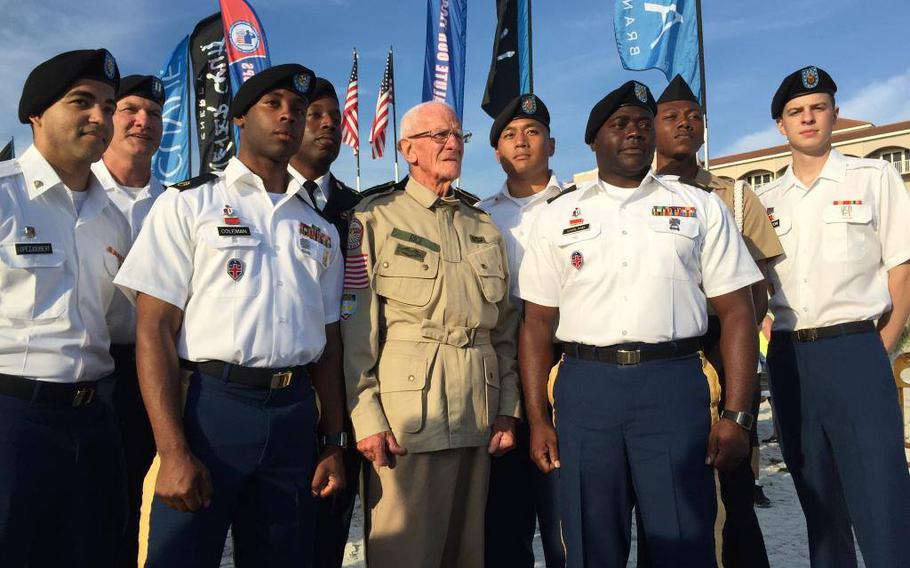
(381, 120)
(350, 131)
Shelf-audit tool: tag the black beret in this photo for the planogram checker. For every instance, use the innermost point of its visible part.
(52, 79)
(523, 106)
(631, 93)
(291, 76)
(802, 82)
(323, 88)
(145, 86)
(677, 90)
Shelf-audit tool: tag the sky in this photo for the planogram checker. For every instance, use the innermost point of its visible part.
(749, 47)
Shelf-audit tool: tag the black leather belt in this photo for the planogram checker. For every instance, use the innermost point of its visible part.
(72, 395)
(634, 353)
(277, 378)
(811, 334)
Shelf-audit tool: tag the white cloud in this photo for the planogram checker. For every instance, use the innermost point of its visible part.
(880, 102)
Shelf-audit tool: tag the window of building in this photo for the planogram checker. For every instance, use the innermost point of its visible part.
(758, 179)
(897, 158)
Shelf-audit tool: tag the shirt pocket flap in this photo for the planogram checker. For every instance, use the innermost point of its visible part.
(401, 266)
(681, 226)
(487, 262)
(401, 373)
(848, 214)
(578, 233)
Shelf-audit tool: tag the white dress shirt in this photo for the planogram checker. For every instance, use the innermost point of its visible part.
(56, 274)
(515, 216)
(840, 235)
(634, 264)
(257, 281)
(135, 204)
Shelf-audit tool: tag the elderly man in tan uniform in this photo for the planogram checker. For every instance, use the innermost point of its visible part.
(679, 130)
(430, 353)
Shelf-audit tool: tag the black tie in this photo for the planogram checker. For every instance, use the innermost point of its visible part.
(310, 187)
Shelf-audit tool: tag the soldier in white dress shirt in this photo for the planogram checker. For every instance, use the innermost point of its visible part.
(520, 495)
(841, 296)
(61, 243)
(627, 265)
(125, 171)
(245, 293)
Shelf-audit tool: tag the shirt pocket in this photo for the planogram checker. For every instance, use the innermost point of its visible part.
(230, 267)
(402, 380)
(673, 252)
(847, 232)
(488, 265)
(35, 286)
(586, 244)
(408, 275)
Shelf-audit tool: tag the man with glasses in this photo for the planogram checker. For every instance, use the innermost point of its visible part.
(429, 336)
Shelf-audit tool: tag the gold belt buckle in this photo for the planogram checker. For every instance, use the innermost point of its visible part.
(628, 357)
(83, 397)
(281, 380)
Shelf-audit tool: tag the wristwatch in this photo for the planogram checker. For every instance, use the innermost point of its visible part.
(340, 439)
(743, 419)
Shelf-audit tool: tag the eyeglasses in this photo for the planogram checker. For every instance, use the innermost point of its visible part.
(442, 136)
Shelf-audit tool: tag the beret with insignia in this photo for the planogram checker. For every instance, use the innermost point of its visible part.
(677, 90)
(322, 88)
(145, 86)
(631, 93)
(291, 76)
(805, 81)
(524, 106)
(52, 79)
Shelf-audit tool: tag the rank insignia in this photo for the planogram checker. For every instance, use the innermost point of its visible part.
(235, 269)
(30, 232)
(641, 92)
(810, 77)
(674, 223)
(577, 260)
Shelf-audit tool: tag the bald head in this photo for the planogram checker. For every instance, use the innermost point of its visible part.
(415, 119)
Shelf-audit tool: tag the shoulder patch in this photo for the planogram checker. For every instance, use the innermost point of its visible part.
(694, 183)
(567, 190)
(195, 182)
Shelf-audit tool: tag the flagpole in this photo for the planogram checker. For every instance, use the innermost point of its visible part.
(530, 53)
(394, 104)
(190, 107)
(357, 149)
(701, 73)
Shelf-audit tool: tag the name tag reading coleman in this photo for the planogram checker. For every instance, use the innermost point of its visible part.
(34, 248)
(234, 232)
(576, 228)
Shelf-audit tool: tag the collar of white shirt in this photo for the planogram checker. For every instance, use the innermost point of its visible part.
(323, 189)
(553, 188)
(236, 173)
(835, 169)
(152, 190)
(40, 177)
(627, 192)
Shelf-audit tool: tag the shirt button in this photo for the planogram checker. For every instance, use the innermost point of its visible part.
(282, 320)
(425, 267)
(806, 280)
(280, 283)
(385, 264)
(483, 265)
(805, 309)
(625, 232)
(277, 248)
(411, 378)
(625, 264)
(624, 332)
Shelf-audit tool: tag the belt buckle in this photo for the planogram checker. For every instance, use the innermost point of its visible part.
(628, 357)
(83, 397)
(281, 380)
(807, 335)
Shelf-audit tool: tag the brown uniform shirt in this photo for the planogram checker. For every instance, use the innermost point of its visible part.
(758, 234)
(429, 331)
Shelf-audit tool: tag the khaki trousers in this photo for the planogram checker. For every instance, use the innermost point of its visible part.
(428, 511)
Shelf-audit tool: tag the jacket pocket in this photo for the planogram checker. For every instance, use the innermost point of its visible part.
(488, 265)
(408, 275)
(402, 382)
(35, 286)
